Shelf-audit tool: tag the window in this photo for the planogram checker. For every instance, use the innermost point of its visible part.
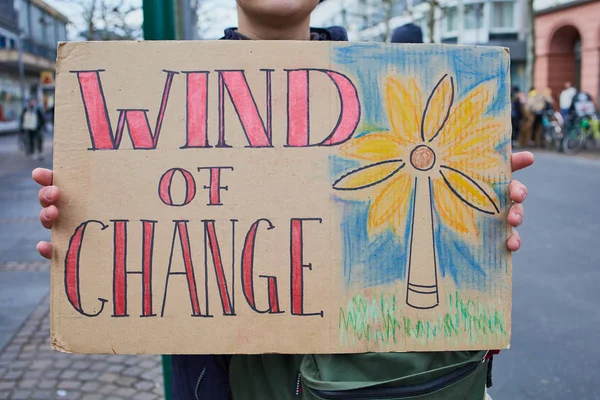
(24, 17)
(503, 15)
(54, 32)
(62, 32)
(49, 31)
(473, 16)
(451, 19)
(2, 42)
(37, 27)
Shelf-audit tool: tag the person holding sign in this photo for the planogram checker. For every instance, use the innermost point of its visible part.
(459, 374)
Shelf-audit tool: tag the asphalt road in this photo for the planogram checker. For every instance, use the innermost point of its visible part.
(555, 350)
(555, 347)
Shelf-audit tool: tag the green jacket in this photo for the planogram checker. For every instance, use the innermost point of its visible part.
(424, 376)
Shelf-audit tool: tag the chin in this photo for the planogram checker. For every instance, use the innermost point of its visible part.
(279, 11)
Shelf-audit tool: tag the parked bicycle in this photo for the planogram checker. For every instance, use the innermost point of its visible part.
(552, 129)
(582, 133)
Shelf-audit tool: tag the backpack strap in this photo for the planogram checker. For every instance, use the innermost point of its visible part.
(489, 357)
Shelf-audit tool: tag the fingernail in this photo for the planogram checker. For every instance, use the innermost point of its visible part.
(44, 214)
(519, 216)
(523, 194)
(48, 194)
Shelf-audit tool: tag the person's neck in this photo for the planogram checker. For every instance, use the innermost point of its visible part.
(254, 30)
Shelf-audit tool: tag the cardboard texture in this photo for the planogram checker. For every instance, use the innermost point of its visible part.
(288, 197)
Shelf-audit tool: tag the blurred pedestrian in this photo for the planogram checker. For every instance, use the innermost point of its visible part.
(409, 33)
(566, 98)
(32, 124)
(537, 103)
(582, 105)
(516, 113)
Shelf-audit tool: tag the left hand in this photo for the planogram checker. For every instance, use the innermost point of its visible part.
(518, 193)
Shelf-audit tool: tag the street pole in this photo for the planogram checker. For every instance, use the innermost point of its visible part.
(159, 24)
(159, 20)
(21, 69)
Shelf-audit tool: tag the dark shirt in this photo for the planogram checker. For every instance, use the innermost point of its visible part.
(332, 34)
(207, 376)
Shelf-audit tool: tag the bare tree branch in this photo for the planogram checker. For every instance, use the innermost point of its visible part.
(387, 7)
(106, 19)
(208, 12)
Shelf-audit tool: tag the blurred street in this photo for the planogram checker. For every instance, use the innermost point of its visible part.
(555, 323)
(29, 369)
(554, 52)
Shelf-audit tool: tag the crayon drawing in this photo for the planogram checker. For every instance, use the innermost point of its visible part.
(430, 178)
(350, 198)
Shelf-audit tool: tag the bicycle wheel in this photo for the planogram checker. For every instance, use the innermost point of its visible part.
(556, 133)
(573, 141)
(548, 138)
(558, 138)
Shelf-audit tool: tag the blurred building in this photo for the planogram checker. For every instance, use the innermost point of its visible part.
(568, 46)
(483, 22)
(364, 19)
(29, 33)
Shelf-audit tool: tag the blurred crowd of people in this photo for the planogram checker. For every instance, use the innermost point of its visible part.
(527, 111)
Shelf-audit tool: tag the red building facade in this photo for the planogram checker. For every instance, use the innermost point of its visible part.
(567, 39)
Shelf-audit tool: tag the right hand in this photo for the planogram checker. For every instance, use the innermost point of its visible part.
(48, 196)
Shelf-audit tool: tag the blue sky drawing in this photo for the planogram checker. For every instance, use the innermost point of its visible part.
(374, 261)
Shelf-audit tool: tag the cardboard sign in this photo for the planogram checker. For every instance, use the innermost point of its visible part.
(288, 197)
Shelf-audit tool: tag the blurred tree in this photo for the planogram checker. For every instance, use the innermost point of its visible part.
(433, 6)
(205, 17)
(394, 8)
(210, 17)
(387, 10)
(107, 19)
(371, 13)
(530, 41)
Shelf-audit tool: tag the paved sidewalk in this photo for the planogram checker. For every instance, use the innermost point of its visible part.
(29, 369)
(36, 266)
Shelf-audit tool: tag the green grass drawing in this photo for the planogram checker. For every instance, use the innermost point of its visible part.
(379, 321)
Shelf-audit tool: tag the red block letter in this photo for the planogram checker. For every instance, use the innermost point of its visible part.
(147, 253)
(210, 238)
(214, 187)
(248, 273)
(235, 82)
(197, 109)
(184, 239)
(72, 269)
(120, 271)
(164, 187)
(298, 108)
(297, 266)
(99, 125)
